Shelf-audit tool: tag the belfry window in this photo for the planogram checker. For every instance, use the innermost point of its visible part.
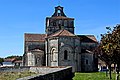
(65, 23)
(54, 23)
(58, 13)
(65, 55)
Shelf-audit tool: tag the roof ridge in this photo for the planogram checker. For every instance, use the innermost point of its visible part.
(34, 33)
(85, 34)
(61, 31)
(55, 33)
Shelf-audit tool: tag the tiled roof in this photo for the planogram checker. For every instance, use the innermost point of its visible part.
(87, 38)
(92, 37)
(61, 17)
(18, 61)
(37, 50)
(9, 60)
(86, 51)
(62, 32)
(35, 37)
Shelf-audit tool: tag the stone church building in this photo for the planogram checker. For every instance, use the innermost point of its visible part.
(60, 46)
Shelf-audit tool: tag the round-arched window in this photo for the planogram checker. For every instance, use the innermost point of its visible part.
(53, 55)
(65, 55)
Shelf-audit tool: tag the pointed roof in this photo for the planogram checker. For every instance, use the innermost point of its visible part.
(61, 17)
(62, 32)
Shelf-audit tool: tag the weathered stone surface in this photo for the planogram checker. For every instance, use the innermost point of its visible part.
(60, 46)
(14, 69)
(47, 73)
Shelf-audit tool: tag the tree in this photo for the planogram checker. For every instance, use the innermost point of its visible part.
(16, 57)
(109, 48)
(116, 48)
(104, 51)
(1, 61)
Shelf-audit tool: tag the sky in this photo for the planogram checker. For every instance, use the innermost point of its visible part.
(28, 16)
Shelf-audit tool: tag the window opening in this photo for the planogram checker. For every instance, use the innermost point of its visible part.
(65, 54)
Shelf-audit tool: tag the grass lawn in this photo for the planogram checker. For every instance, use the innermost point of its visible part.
(14, 75)
(92, 76)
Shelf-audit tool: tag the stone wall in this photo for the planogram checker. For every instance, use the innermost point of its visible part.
(50, 73)
(72, 46)
(14, 69)
(87, 62)
(29, 46)
(52, 52)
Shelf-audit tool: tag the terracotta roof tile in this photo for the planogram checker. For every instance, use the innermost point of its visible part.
(92, 37)
(35, 37)
(18, 61)
(86, 51)
(62, 32)
(37, 50)
(9, 60)
(60, 17)
(87, 38)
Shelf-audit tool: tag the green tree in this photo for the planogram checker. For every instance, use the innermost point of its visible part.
(1, 61)
(104, 51)
(109, 48)
(116, 48)
(17, 57)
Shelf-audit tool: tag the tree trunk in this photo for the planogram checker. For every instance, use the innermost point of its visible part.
(110, 71)
(106, 72)
(117, 70)
(114, 68)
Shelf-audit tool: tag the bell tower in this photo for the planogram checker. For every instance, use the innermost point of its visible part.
(59, 21)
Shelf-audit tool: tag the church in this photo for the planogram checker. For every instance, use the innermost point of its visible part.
(60, 46)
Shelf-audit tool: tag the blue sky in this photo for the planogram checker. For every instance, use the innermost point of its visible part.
(28, 16)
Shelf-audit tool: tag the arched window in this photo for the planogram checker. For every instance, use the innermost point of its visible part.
(65, 55)
(71, 23)
(54, 23)
(53, 55)
(58, 13)
(86, 61)
(65, 23)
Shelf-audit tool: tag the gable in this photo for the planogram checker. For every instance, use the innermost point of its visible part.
(62, 32)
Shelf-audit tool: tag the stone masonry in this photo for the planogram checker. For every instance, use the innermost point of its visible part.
(60, 46)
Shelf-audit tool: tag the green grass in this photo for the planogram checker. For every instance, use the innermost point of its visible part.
(92, 76)
(78, 76)
(14, 75)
